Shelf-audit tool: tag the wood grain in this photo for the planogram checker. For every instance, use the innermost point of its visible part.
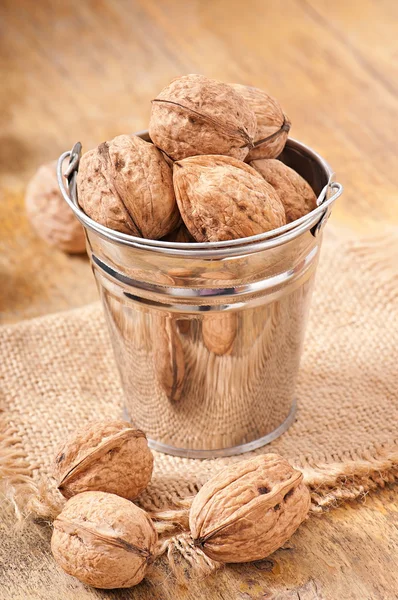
(347, 554)
(87, 71)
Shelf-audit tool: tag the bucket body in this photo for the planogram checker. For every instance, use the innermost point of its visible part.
(208, 337)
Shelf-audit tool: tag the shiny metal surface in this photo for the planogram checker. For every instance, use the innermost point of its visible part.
(249, 447)
(208, 337)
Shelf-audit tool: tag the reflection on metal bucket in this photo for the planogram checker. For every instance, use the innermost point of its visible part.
(208, 337)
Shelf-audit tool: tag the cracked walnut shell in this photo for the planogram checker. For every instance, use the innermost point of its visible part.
(297, 196)
(108, 456)
(221, 198)
(49, 214)
(126, 184)
(196, 115)
(249, 509)
(273, 125)
(103, 540)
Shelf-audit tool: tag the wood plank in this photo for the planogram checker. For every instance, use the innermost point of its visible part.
(349, 553)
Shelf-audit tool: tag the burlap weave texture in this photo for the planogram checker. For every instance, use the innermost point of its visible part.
(58, 372)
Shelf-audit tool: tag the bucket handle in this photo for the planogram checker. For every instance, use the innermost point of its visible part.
(326, 198)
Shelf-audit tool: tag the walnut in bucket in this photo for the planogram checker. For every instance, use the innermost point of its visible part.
(273, 125)
(296, 195)
(221, 198)
(196, 115)
(126, 184)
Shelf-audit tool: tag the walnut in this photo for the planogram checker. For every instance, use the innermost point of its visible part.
(297, 196)
(195, 115)
(169, 357)
(108, 456)
(219, 332)
(221, 198)
(126, 184)
(181, 235)
(249, 509)
(103, 540)
(272, 124)
(50, 215)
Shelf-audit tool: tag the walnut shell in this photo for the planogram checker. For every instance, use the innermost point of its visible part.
(126, 184)
(169, 357)
(103, 540)
(221, 198)
(219, 332)
(107, 456)
(249, 509)
(273, 125)
(196, 115)
(297, 196)
(50, 215)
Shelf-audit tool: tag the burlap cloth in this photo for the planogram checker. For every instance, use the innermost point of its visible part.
(58, 372)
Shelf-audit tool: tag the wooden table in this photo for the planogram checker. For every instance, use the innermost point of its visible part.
(87, 71)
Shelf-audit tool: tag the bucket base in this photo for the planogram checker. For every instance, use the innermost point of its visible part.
(231, 451)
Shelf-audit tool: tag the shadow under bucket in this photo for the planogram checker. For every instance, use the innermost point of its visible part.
(208, 337)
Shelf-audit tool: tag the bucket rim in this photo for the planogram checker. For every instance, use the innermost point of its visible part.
(313, 221)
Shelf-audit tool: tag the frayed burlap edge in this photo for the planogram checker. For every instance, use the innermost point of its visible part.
(16, 482)
(330, 485)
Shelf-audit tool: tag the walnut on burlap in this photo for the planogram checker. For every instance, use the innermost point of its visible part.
(58, 372)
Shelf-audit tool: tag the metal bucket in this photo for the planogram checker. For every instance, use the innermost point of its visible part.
(208, 337)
